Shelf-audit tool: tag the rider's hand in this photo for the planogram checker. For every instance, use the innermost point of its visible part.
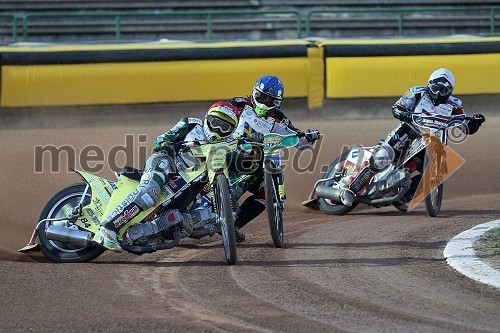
(257, 137)
(312, 135)
(402, 114)
(479, 118)
(166, 147)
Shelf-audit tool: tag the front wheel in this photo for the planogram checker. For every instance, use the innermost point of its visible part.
(225, 215)
(435, 162)
(61, 205)
(433, 201)
(274, 205)
(326, 205)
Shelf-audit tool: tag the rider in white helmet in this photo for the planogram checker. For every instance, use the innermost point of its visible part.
(435, 98)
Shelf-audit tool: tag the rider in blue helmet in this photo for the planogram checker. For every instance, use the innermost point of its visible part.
(267, 94)
(259, 115)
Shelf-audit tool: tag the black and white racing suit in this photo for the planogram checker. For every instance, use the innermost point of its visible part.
(418, 101)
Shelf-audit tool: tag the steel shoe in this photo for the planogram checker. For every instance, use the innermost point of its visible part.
(107, 239)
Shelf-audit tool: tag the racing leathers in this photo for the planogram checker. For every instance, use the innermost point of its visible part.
(156, 174)
(417, 100)
(249, 125)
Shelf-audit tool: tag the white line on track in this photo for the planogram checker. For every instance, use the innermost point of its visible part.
(460, 255)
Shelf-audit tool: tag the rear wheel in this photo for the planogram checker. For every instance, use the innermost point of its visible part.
(61, 205)
(274, 205)
(225, 217)
(326, 205)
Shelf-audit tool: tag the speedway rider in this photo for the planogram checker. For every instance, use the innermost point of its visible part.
(433, 99)
(259, 115)
(220, 122)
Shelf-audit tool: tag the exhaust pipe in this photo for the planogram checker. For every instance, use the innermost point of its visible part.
(329, 192)
(70, 236)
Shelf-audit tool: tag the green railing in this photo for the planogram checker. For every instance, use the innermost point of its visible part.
(405, 10)
(208, 13)
(13, 25)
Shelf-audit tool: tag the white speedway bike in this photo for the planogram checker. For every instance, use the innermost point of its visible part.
(389, 185)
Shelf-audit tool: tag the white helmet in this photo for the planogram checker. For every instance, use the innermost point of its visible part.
(441, 84)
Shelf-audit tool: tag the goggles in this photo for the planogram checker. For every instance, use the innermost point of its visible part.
(265, 99)
(440, 86)
(216, 123)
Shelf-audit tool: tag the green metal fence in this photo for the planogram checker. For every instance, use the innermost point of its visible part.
(210, 14)
(13, 25)
(402, 11)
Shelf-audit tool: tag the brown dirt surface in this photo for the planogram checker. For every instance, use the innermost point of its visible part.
(373, 270)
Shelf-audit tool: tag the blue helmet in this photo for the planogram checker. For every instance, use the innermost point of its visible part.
(267, 94)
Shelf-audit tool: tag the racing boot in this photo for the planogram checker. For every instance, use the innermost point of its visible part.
(347, 197)
(106, 237)
(403, 204)
(250, 209)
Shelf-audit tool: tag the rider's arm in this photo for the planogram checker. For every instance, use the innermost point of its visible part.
(283, 125)
(471, 124)
(175, 134)
(403, 107)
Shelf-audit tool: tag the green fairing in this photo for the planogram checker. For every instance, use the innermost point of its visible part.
(176, 133)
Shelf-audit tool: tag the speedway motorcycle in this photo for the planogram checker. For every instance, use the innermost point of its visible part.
(197, 202)
(389, 185)
(267, 157)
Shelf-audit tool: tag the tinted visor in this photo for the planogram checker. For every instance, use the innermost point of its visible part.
(218, 124)
(440, 87)
(265, 99)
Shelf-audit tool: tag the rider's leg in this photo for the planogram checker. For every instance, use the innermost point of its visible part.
(155, 176)
(382, 155)
(250, 209)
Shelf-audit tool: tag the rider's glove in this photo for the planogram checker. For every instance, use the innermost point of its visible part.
(166, 147)
(478, 118)
(402, 113)
(312, 135)
(257, 137)
(475, 122)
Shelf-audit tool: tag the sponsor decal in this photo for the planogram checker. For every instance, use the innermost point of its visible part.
(363, 178)
(248, 130)
(195, 121)
(94, 218)
(98, 206)
(127, 201)
(126, 216)
(112, 184)
(98, 188)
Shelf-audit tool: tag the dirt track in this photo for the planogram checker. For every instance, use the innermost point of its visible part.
(374, 270)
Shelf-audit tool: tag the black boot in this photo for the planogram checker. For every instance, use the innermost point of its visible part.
(404, 203)
(250, 209)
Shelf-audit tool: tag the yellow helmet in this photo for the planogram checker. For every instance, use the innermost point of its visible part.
(220, 121)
